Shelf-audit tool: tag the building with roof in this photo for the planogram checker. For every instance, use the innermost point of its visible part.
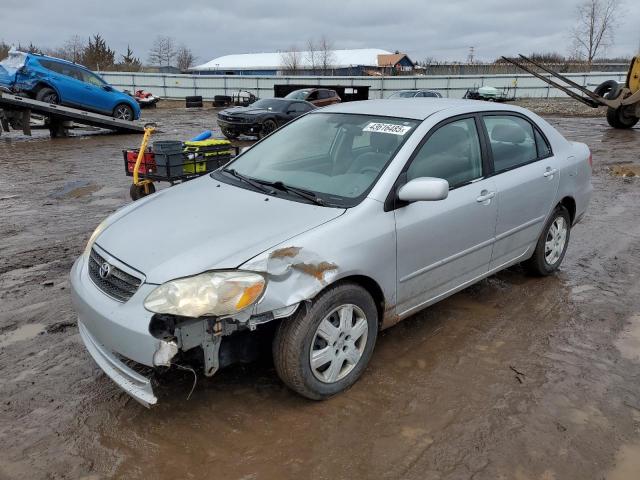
(362, 61)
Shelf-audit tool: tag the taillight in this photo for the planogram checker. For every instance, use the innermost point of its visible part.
(591, 160)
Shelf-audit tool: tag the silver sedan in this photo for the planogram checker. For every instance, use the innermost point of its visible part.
(340, 224)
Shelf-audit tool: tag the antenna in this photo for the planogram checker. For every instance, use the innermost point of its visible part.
(472, 54)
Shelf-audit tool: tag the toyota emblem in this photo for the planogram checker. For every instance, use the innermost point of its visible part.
(105, 271)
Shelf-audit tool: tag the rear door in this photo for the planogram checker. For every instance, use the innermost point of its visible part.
(68, 81)
(526, 174)
(442, 245)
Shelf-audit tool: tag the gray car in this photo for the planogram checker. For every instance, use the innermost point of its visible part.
(416, 94)
(340, 224)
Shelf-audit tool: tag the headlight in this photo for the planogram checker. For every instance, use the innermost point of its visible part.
(211, 293)
(99, 229)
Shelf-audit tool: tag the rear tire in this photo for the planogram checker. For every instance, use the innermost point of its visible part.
(48, 95)
(618, 118)
(552, 244)
(340, 350)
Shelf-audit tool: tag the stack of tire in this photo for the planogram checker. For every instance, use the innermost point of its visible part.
(622, 117)
(194, 101)
(222, 101)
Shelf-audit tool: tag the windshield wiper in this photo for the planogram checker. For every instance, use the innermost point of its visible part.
(253, 183)
(301, 192)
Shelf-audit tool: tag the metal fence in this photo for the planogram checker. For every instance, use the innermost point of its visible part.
(173, 86)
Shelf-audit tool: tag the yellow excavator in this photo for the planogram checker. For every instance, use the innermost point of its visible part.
(622, 101)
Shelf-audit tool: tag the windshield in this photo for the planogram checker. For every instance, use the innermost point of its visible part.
(404, 94)
(270, 104)
(337, 156)
(298, 94)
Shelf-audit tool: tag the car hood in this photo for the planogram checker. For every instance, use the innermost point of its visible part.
(202, 225)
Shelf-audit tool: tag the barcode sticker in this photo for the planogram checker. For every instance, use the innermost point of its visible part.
(391, 128)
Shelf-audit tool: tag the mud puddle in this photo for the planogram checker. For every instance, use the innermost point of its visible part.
(515, 377)
(626, 170)
(25, 332)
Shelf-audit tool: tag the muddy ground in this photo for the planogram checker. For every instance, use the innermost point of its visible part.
(513, 378)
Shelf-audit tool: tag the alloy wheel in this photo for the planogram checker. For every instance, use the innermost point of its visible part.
(338, 343)
(555, 241)
(122, 112)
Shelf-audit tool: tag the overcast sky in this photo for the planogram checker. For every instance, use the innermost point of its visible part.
(443, 30)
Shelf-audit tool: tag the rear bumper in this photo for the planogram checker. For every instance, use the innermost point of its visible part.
(136, 385)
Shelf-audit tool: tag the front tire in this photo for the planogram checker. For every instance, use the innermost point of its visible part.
(230, 134)
(552, 244)
(621, 118)
(322, 350)
(123, 112)
(268, 126)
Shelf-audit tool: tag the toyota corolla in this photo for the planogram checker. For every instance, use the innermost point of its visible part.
(340, 224)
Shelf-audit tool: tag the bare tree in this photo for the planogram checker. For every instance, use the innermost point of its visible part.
(163, 51)
(597, 20)
(4, 50)
(185, 58)
(327, 57)
(312, 56)
(291, 60)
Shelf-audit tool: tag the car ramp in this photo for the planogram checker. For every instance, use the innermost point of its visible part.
(15, 112)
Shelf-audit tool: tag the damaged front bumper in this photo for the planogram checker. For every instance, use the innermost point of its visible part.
(136, 385)
(110, 329)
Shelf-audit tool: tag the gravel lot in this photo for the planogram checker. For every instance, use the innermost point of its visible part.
(513, 378)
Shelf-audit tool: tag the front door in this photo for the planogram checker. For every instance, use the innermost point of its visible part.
(444, 244)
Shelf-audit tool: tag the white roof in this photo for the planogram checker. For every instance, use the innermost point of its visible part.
(416, 108)
(273, 61)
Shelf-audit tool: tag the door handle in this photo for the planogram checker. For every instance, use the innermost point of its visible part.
(550, 172)
(485, 195)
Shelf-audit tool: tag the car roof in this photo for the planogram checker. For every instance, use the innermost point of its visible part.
(416, 109)
(56, 59)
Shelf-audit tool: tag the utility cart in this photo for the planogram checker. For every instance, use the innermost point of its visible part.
(173, 161)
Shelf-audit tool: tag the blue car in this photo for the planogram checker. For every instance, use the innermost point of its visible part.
(53, 80)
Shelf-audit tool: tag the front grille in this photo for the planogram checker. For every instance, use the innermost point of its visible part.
(117, 283)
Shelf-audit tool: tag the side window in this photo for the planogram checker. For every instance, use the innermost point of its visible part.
(324, 94)
(544, 150)
(49, 65)
(452, 152)
(297, 107)
(92, 79)
(313, 96)
(512, 141)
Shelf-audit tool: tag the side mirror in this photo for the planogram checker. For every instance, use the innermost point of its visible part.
(108, 88)
(424, 189)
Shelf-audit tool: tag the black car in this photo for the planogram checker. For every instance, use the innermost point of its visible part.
(262, 117)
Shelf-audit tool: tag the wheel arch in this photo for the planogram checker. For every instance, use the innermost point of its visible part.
(569, 203)
(43, 84)
(369, 284)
